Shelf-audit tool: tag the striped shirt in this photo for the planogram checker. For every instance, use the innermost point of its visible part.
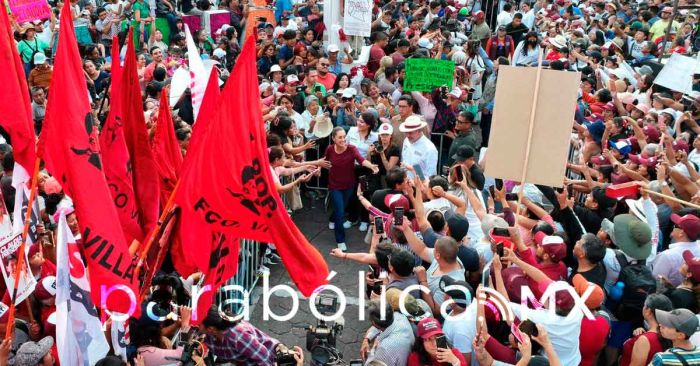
(668, 358)
(243, 344)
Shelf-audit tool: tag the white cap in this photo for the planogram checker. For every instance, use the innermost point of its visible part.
(386, 129)
(349, 93)
(275, 68)
(425, 43)
(39, 58)
(292, 79)
(333, 48)
(670, 111)
(264, 86)
(219, 53)
(223, 29)
(456, 92)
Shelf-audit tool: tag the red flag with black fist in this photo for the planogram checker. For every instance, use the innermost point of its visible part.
(72, 154)
(226, 183)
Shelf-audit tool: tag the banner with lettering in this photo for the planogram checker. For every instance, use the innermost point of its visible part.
(9, 249)
(426, 74)
(30, 10)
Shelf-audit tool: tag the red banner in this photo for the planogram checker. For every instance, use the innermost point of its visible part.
(166, 149)
(226, 184)
(71, 151)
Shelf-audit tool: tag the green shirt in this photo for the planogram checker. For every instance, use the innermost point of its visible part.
(27, 48)
(142, 8)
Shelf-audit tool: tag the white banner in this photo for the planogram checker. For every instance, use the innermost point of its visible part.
(677, 74)
(8, 252)
(21, 204)
(357, 17)
(79, 336)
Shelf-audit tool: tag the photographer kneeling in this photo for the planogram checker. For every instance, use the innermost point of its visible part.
(241, 343)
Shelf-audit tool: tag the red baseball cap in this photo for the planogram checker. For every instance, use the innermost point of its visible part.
(553, 245)
(690, 224)
(429, 327)
(693, 264)
(652, 133)
(393, 201)
(680, 145)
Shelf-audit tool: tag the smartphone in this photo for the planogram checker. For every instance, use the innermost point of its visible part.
(445, 170)
(398, 216)
(419, 171)
(317, 89)
(499, 250)
(511, 196)
(529, 328)
(378, 225)
(498, 231)
(441, 342)
(499, 183)
(486, 275)
(459, 173)
(363, 183)
(356, 363)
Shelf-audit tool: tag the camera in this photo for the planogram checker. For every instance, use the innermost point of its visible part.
(321, 339)
(378, 147)
(193, 346)
(284, 357)
(300, 88)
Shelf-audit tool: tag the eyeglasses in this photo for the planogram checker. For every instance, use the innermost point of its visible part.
(324, 65)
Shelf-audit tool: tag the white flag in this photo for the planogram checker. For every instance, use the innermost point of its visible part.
(198, 73)
(79, 337)
(21, 204)
(120, 336)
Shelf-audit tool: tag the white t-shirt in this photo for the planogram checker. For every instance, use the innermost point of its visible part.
(461, 329)
(504, 18)
(423, 152)
(353, 138)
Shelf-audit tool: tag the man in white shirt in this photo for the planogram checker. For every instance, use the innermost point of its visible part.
(417, 148)
(685, 234)
(505, 17)
(528, 14)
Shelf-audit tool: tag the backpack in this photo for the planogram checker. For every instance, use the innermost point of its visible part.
(34, 49)
(639, 283)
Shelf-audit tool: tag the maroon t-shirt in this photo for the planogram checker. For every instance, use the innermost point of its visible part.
(375, 55)
(342, 172)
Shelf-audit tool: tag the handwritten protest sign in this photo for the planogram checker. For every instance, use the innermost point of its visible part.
(357, 17)
(30, 10)
(425, 74)
(678, 73)
(9, 249)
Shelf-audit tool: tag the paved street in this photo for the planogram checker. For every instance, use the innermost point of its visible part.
(313, 222)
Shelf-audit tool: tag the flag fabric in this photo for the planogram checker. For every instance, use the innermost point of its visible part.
(119, 333)
(116, 161)
(210, 100)
(223, 264)
(79, 336)
(166, 149)
(236, 195)
(16, 110)
(71, 152)
(143, 166)
(198, 73)
(21, 204)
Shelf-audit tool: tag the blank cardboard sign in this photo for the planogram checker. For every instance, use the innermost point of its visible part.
(554, 115)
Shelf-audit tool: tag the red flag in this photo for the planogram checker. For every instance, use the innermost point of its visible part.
(223, 264)
(16, 110)
(71, 151)
(115, 157)
(143, 166)
(166, 149)
(210, 99)
(226, 183)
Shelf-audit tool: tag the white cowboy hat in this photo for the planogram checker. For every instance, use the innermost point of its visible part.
(323, 127)
(559, 41)
(412, 123)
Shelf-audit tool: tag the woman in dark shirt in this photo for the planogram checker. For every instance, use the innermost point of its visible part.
(341, 179)
(687, 293)
(386, 154)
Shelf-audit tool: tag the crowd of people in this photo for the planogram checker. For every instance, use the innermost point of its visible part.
(407, 169)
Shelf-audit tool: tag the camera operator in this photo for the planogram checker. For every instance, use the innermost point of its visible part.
(239, 342)
(148, 336)
(389, 339)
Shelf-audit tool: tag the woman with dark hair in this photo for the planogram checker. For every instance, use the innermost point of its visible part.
(309, 36)
(149, 341)
(342, 81)
(266, 58)
(363, 138)
(284, 127)
(426, 350)
(687, 294)
(341, 181)
(640, 349)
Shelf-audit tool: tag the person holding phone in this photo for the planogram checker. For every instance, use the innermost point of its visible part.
(433, 347)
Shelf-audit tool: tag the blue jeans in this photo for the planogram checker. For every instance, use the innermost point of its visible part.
(340, 199)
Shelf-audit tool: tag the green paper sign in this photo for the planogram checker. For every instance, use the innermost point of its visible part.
(426, 74)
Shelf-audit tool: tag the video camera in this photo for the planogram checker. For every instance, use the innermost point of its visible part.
(193, 346)
(284, 356)
(321, 339)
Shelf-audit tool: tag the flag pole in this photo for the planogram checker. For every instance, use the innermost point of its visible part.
(156, 230)
(20, 261)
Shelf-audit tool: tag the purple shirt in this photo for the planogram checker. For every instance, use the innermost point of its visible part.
(244, 344)
(342, 172)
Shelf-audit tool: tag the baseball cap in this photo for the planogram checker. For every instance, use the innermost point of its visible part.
(693, 264)
(457, 224)
(333, 48)
(39, 58)
(690, 224)
(652, 133)
(393, 201)
(292, 79)
(45, 288)
(682, 320)
(680, 145)
(459, 291)
(640, 160)
(31, 353)
(609, 228)
(425, 43)
(554, 246)
(597, 296)
(603, 200)
(479, 14)
(600, 160)
(463, 153)
(456, 92)
(429, 327)
(386, 129)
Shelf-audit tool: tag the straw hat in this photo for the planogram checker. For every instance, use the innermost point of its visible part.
(323, 127)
